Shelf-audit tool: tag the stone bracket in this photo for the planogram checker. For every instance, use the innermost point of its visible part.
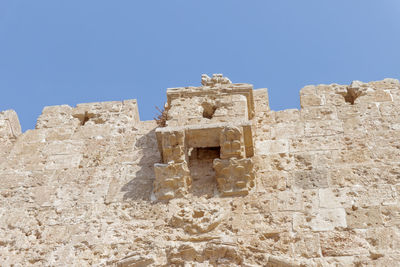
(235, 177)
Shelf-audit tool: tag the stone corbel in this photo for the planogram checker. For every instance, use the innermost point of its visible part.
(172, 180)
(231, 142)
(235, 177)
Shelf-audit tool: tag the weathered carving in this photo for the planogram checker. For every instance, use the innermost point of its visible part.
(198, 219)
(216, 79)
(231, 143)
(173, 148)
(172, 180)
(234, 176)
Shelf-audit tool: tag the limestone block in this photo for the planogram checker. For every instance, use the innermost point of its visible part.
(265, 118)
(287, 130)
(341, 261)
(321, 220)
(310, 200)
(130, 109)
(231, 143)
(234, 176)
(307, 245)
(172, 180)
(269, 147)
(213, 253)
(315, 178)
(270, 223)
(276, 261)
(274, 162)
(288, 115)
(389, 109)
(386, 83)
(391, 215)
(327, 199)
(360, 196)
(377, 259)
(57, 116)
(335, 99)
(173, 147)
(33, 136)
(44, 195)
(363, 217)
(316, 143)
(307, 160)
(326, 88)
(362, 110)
(135, 261)
(308, 90)
(261, 101)
(311, 100)
(273, 179)
(5, 148)
(286, 201)
(321, 113)
(354, 126)
(323, 128)
(274, 244)
(343, 243)
(59, 134)
(383, 239)
(63, 147)
(375, 96)
(353, 156)
(92, 131)
(9, 125)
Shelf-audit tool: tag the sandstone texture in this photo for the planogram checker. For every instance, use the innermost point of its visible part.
(221, 181)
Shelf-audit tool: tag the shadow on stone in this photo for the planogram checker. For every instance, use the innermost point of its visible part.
(141, 186)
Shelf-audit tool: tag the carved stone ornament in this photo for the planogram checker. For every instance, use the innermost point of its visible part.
(234, 176)
(231, 143)
(173, 146)
(172, 180)
(216, 79)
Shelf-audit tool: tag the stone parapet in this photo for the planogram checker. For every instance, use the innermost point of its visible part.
(115, 113)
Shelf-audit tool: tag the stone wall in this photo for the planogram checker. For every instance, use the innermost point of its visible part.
(10, 129)
(78, 189)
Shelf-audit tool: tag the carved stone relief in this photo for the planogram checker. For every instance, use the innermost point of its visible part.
(231, 143)
(173, 148)
(172, 180)
(234, 176)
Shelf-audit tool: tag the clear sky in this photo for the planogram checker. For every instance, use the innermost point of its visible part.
(70, 52)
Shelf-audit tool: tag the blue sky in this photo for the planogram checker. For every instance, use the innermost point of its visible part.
(70, 52)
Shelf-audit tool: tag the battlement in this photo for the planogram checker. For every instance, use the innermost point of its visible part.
(114, 113)
(183, 104)
(355, 93)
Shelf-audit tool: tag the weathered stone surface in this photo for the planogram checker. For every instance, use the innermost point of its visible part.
(234, 176)
(172, 180)
(227, 182)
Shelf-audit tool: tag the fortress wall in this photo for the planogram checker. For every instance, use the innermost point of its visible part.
(10, 129)
(77, 189)
(331, 172)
